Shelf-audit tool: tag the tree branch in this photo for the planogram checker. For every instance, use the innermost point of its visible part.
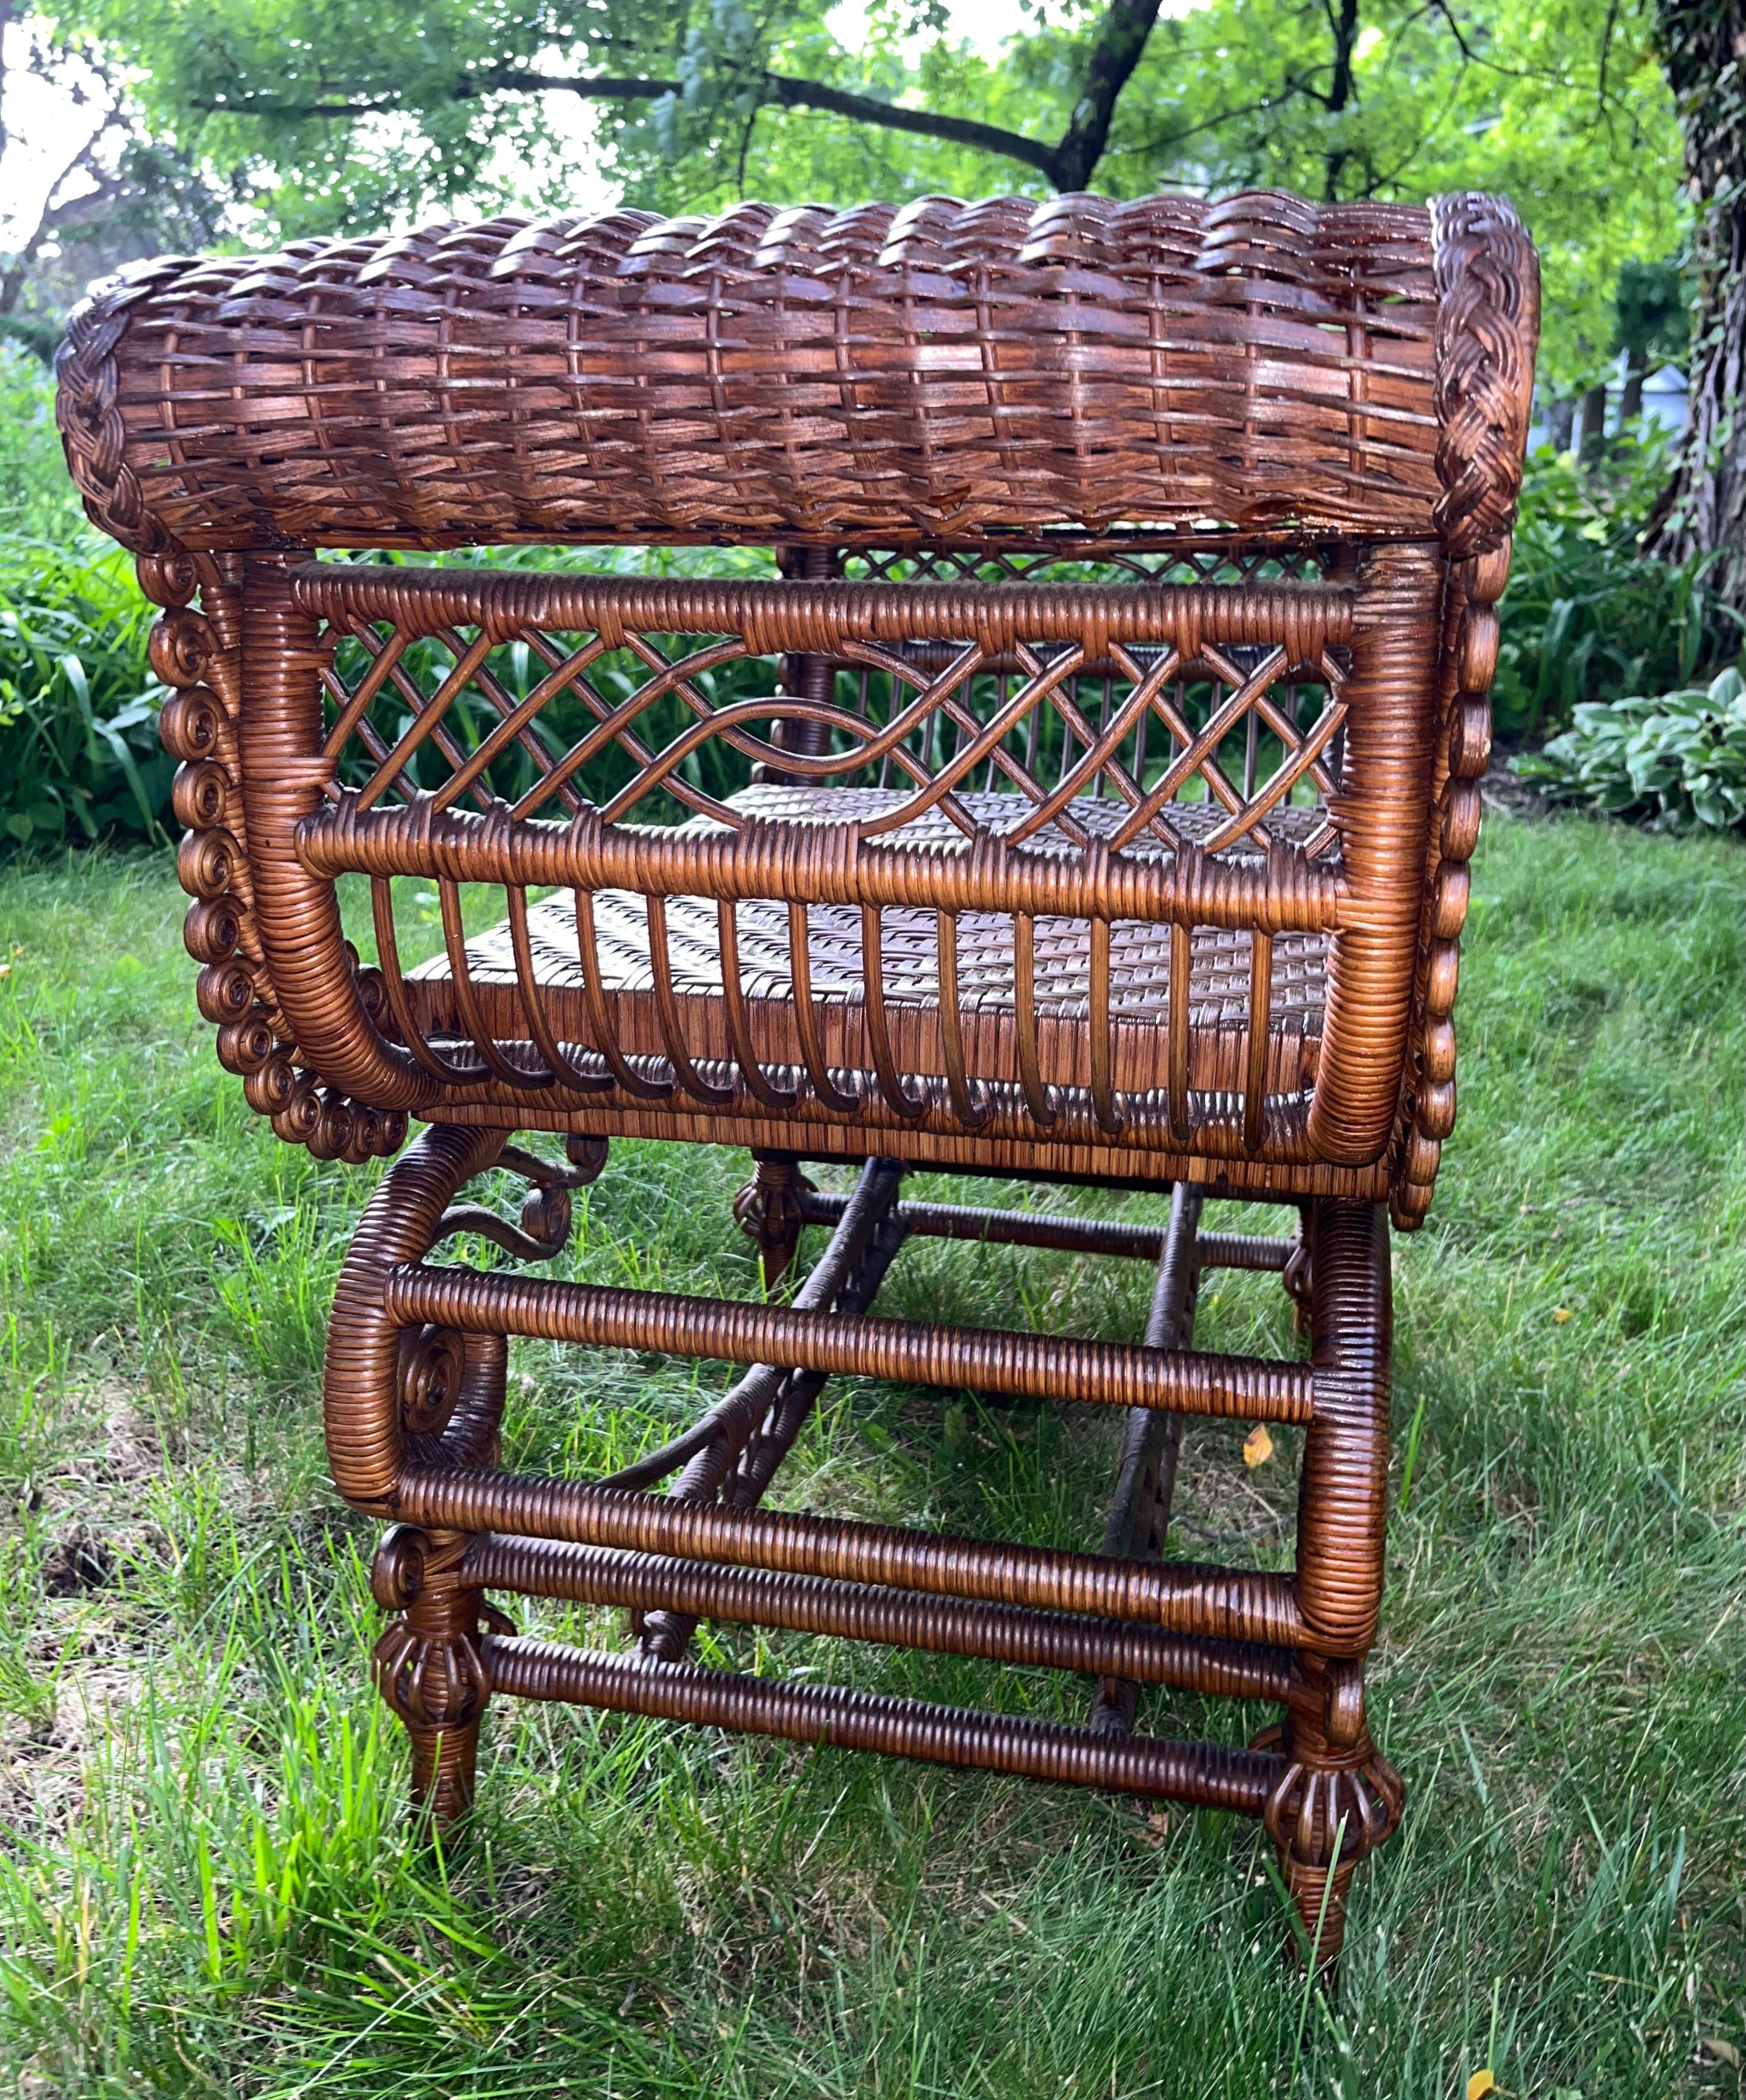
(596, 87)
(779, 89)
(59, 212)
(1267, 101)
(787, 93)
(602, 86)
(1120, 46)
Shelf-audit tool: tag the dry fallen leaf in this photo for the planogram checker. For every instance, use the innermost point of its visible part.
(1257, 1446)
(1561, 1313)
(1480, 2084)
(1719, 2051)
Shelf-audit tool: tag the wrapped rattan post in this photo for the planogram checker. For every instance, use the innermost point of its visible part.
(1089, 797)
(1030, 1366)
(1200, 1773)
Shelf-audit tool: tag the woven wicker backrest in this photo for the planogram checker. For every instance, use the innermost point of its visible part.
(873, 376)
(1103, 759)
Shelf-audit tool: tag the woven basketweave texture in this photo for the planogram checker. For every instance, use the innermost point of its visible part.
(873, 375)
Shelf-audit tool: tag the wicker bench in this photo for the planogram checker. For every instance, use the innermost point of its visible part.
(1083, 792)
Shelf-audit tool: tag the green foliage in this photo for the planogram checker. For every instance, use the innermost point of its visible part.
(1559, 104)
(1589, 615)
(1678, 759)
(344, 113)
(1652, 319)
(36, 498)
(79, 755)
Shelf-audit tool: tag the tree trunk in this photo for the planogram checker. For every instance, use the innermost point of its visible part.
(1119, 45)
(1702, 510)
(1345, 28)
(1631, 400)
(1592, 441)
(1561, 423)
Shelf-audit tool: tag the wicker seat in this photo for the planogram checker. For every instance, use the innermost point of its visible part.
(1139, 970)
(1072, 775)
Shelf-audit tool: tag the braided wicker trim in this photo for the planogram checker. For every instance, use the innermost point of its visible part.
(88, 410)
(1487, 329)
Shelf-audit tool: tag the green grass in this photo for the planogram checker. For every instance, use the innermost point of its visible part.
(206, 1883)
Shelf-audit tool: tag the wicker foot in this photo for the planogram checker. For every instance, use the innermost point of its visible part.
(1337, 1799)
(430, 1665)
(1320, 1895)
(767, 1210)
(445, 1769)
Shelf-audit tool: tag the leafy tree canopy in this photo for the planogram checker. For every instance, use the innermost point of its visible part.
(326, 114)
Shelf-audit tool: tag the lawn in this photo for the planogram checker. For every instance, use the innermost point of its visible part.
(207, 1885)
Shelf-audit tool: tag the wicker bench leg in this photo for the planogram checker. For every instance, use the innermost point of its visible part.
(430, 1665)
(1339, 1797)
(768, 1210)
(443, 1393)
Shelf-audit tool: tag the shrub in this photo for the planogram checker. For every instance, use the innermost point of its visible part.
(1678, 759)
(37, 497)
(79, 753)
(1588, 615)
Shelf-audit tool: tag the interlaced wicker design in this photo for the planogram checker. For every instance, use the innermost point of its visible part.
(1084, 790)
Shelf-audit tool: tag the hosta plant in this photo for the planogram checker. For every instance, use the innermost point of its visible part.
(1675, 759)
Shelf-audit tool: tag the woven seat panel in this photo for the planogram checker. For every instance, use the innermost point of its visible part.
(1139, 974)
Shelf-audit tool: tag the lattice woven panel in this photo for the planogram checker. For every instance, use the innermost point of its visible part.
(1060, 744)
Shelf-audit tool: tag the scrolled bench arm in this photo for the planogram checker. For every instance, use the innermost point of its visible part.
(872, 376)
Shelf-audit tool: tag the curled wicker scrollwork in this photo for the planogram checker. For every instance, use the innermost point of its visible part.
(197, 655)
(1464, 753)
